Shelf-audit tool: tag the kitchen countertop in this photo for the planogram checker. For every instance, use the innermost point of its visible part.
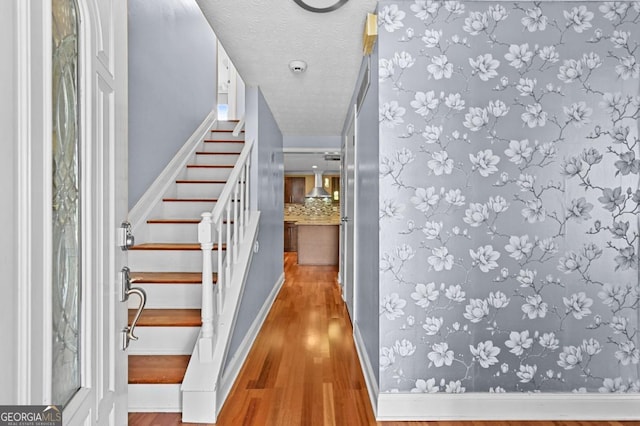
(312, 220)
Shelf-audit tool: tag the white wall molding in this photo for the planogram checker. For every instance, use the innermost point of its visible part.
(153, 195)
(235, 364)
(507, 406)
(367, 368)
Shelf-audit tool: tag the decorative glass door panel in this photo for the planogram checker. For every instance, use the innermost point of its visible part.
(65, 204)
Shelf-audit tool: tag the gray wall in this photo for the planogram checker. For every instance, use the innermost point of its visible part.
(8, 159)
(366, 221)
(267, 265)
(172, 83)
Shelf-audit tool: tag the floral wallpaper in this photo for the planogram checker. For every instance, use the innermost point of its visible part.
(509, 170)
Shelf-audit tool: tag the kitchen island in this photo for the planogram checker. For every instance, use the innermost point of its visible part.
(318, 239)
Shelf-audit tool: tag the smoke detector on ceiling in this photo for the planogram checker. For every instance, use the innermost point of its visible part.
(297, 66)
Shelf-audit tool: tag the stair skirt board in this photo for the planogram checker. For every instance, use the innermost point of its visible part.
(155, 398)
(164, 341)
(168, 296)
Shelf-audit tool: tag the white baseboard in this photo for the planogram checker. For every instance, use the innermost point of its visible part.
(235, 364)
(507, 406)
(367, 369)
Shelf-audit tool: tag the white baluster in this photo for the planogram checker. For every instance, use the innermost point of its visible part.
(220, 270)
(205, 344)
(242, 184)
(229, 255)
(236, 235)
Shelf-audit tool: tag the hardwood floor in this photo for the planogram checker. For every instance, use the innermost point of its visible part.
(303, 368)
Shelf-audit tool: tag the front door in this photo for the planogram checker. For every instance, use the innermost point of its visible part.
(101, 93)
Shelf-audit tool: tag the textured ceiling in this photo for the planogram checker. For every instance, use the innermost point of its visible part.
(261, 37)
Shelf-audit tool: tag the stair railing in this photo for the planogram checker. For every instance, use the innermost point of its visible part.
(222, 228)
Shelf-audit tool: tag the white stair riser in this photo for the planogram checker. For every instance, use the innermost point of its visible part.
(222, 146)
(199, 190)
(185, 209)
(170, 296)
(203, 173)
(175, 233)
(164, 340)
(154, 398)
(216, 160)
(225, 136)
(227, 125)
(167, 260)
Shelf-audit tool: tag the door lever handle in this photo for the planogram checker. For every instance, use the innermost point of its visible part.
(127, 290)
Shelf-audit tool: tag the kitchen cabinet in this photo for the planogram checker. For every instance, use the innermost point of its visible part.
(318, 244)
(290, 236)
(294, 189)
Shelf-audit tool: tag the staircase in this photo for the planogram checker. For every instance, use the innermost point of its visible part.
(167, 262)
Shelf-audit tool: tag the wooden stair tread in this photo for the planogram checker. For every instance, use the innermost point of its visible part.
(210, 166)
(225, 130)
(178, 221)
(157, 369)
(167, 317)
(216, 153)
(172, 246)
(193, 200)
(200, 181)
(169, 277)
(224, 141)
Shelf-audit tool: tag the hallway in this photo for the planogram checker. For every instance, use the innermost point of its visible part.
(303, 368)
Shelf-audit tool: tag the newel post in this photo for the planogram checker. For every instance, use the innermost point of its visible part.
(205, 238)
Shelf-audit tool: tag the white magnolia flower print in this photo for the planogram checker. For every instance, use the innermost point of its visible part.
(387, 358)
(526, 277)
(614, 10)
(518, 342)
(534, 116)
(425, 294)
(432, 325)
(498, 300)
(485, 162)
(454, 197)
(570, 71)
(498, 13)
(534, 211)
(476, 310)
(627, 353)
(391, 209)
(527, 373)
(612, 293)
(578, 305)
(613, 386)
(549, 341)
(519, 247)
(570, 357)
(620, 39)
(579, 209)
(498, 108)
(454, 7)
(390, 114)
(518, 55)
(549, 54)
(476, 214)
(441, 355)
(591, 60)
(485, 258)
(423, 9)
(534, 20)
(455, 293)
(404, 252)
(455, 387)
(440, 67)
(432, 229)
(484, 66)
(476, 118)
(403, 60)
(628, 68)
(425, 386)
(485, 353)
(476, 23)
(570, 262)
(526, 86)
(618, 324)
(441, 259)
(390, 17)
(391, 306)
(424, 102)
(425, 198)
(591, 347)
(578, 113)
(454, 101)
(440, 163)
(579, 18)
(404, 348)
(534, 307)
(432, 38)
(385, 69)
(519, 151)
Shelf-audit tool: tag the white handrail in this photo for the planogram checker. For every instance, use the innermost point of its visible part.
(223, 229)
(238, 128)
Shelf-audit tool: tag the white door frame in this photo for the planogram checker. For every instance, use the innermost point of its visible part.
(348, 211)
(103, 126)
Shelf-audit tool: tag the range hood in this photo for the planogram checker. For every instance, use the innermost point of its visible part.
(318, 191)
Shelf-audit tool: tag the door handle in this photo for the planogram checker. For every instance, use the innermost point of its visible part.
(127, 290)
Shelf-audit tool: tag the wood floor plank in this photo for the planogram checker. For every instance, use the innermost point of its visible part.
(157, 369)
(303, 368)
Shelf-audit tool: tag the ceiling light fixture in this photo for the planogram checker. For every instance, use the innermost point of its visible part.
(312, 8)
